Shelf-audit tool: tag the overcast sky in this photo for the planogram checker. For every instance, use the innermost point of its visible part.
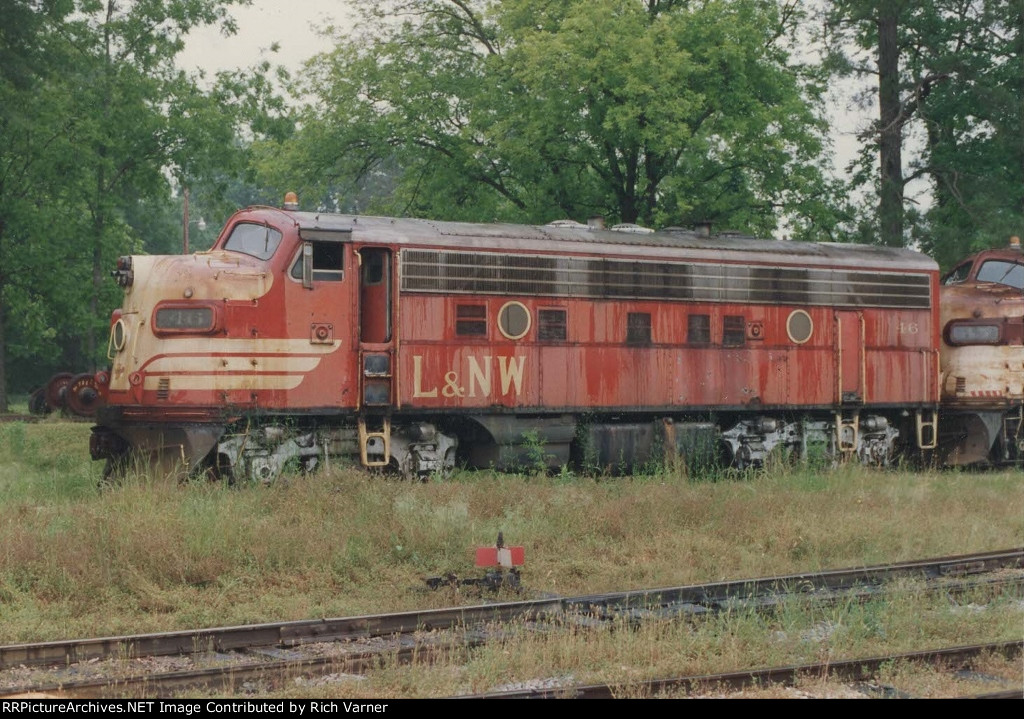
(293, 25)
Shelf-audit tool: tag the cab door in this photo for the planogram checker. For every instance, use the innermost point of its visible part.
(850, 357)
(377, 343)
(318, 310)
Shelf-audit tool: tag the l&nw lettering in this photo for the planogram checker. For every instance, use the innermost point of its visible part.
(481, 374)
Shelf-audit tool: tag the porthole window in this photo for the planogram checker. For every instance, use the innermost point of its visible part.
(799, 326)
(514, 320)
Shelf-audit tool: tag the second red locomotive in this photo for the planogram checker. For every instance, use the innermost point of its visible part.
(305, 338)
(982, 315)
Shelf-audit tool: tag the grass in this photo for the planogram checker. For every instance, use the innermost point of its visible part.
(622, 654)
(150, 554)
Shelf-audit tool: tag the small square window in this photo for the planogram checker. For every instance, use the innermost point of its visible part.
(638, 328)
(698, 329)
(734, 331)
(471, 320)
(551, 325)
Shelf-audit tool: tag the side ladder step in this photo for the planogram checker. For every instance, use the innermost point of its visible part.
(927, 428)
(847, 433)
(368, 440)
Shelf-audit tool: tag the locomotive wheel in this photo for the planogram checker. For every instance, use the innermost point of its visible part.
(448, 466)
(81, 396)
(37, 402)
(56, 390)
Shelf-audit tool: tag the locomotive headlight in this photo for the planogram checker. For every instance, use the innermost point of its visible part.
(119, 335)
(973, 333)
(124, 274)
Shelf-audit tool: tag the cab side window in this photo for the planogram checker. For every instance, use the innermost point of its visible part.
(958, 275)
(328, 262)
(638, 328)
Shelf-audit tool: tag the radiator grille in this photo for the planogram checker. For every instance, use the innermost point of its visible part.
(439, 271)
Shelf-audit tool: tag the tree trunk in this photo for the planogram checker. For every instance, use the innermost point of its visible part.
(3, 332)
(98, 227)
(890, 142)
(3, 351)
(94, 300)
(99, 211)
(1020, 108)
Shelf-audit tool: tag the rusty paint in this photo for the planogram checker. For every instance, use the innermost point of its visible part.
(988, 375)
(593, 368)
(284, 347)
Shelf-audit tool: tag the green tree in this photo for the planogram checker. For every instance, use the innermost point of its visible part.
(139, 117)
(35, 150)
(878, 28)
(973, 124)
(948, 76)
(97, 129)
(657, 112)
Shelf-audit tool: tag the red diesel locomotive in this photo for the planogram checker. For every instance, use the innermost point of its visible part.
(306, 338)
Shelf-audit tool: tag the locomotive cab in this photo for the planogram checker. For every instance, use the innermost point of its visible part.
(202, 340)
(276, 347)
(982, 358)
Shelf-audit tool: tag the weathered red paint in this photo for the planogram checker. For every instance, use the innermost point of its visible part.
(278, 346)
(887, 349)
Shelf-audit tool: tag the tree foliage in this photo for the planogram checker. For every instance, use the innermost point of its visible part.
(954, 109)
(657, 112)
(974, 129)
(98, 126)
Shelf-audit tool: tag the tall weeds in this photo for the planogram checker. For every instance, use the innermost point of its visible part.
(151, 553)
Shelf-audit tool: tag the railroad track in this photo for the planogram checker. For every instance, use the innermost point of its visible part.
(235, 655)
(851, 671)
(18, 418)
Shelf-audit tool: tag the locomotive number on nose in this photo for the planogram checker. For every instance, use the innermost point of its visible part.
(909, 328)
(477, 379)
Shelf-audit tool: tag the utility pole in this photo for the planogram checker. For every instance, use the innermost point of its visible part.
(185, 226)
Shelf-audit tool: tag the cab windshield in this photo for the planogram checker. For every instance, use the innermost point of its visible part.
(1003, 273)
(259, 241)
